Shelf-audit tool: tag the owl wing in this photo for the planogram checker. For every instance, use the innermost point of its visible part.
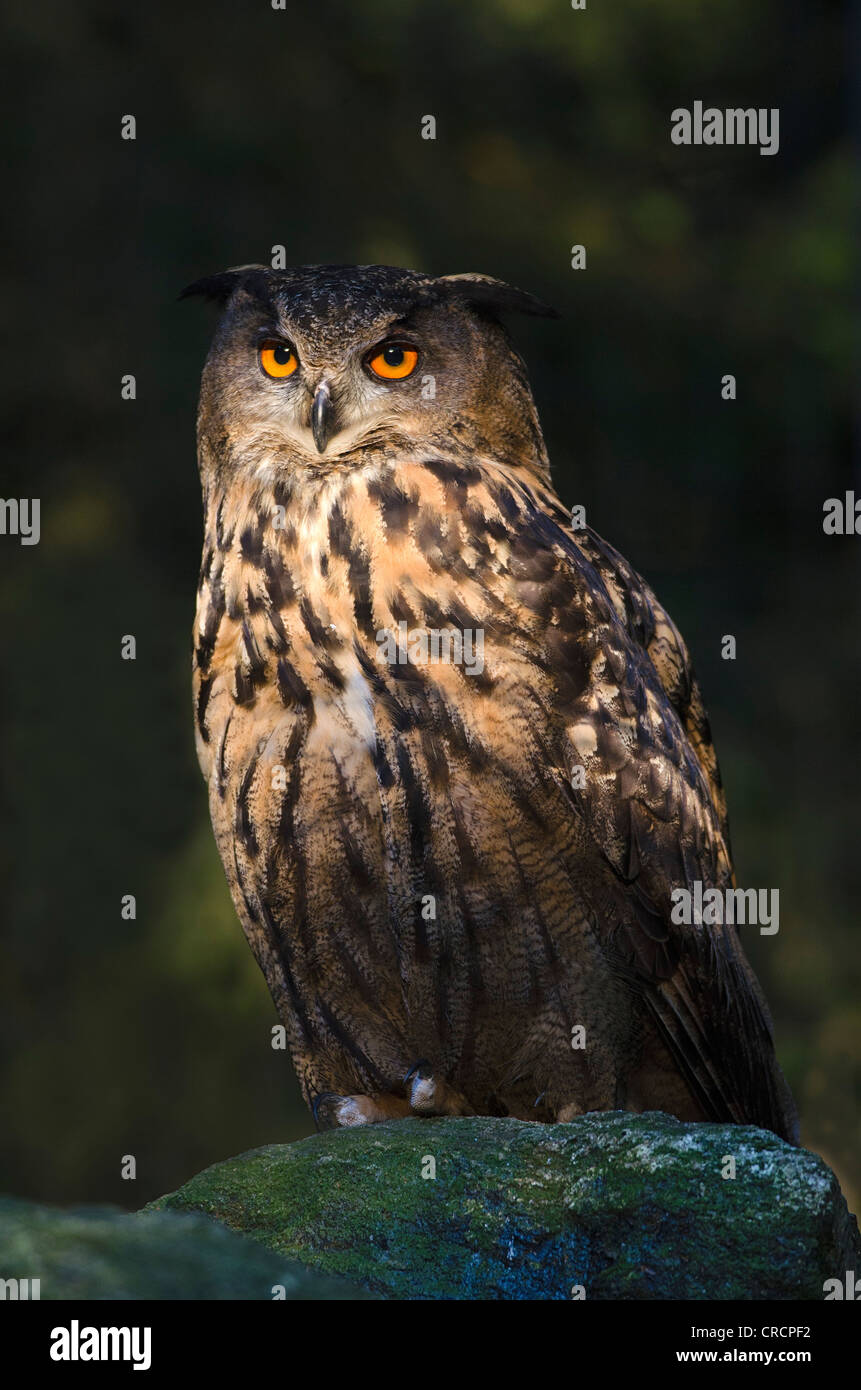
(655, 812)
(651, 627)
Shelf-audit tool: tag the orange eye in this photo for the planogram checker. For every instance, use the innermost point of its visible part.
(394, 362)
(278, 359)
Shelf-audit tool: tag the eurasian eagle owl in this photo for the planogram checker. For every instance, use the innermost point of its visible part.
(457, 759)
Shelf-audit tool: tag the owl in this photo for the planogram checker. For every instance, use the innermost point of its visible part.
(459, 766)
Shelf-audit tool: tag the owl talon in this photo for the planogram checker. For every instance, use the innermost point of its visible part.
(421, 1069)
(321, 1111)
(332, 1111)
(430, 1095)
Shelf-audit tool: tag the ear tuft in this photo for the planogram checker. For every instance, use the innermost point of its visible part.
(495, 295)
(220, 287)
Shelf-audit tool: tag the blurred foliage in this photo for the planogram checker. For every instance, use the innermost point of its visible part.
(258, 127)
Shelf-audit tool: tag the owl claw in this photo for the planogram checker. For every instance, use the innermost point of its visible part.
(331, 1111)
(421, 1069)
(430, 1095)
(325, 1120)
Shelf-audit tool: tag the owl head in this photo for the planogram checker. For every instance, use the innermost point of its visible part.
(323, 366)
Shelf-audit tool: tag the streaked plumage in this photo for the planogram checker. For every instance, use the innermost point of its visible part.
(407, 782)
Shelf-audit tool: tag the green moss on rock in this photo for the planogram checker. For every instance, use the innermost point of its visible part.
(628, 1206)
(106, 1254)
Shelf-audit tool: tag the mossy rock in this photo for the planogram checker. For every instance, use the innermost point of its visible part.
(102, 1253)
(623, 1206)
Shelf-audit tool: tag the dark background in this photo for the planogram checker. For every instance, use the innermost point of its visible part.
(257, 127)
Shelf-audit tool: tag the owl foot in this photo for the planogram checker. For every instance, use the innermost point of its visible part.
(566, 1113)
(430, 1095)
(345, 1112)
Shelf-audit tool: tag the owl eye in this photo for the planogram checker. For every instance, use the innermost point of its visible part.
(394, 361)
(278, 359)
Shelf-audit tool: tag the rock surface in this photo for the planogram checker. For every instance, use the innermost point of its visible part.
(107, 1254)
(624, 1206)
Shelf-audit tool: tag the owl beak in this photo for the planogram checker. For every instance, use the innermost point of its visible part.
(322, 416)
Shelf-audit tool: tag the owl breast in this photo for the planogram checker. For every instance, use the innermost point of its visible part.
(396, 837)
